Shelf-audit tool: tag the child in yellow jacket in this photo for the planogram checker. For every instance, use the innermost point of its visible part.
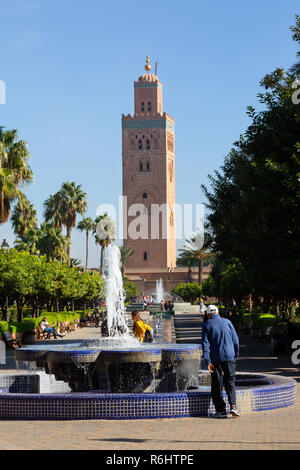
(139, 327)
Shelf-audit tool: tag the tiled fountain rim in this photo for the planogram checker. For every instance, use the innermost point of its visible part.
(281, 392)
(276, 381)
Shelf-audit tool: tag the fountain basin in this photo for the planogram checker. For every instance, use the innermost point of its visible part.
(114, 367)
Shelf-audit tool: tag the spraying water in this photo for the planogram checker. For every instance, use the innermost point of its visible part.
(160, 295)
(115, 294)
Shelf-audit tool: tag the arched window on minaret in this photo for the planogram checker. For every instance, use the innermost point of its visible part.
(145, 195)
(141, 166)
(140, 144)
(148, 166)
(142, 106)
(149, 105)
(148, 144)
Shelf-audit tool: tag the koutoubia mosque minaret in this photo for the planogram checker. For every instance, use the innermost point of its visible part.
(148, 153)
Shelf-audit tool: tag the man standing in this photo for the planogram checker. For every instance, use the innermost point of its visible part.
(220, 345)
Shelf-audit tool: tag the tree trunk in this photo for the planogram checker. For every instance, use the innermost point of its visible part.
(189, 274)
(87, 250)
(69, 229)
(20, 305)
(200, 272)
(101, 260)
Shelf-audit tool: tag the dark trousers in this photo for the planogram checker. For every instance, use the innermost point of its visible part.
(224, 373)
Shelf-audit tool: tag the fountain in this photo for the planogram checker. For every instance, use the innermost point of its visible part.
(118, 363)
(117, 377)
(159, 293)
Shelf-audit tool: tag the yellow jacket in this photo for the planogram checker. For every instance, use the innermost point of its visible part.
(140, 329)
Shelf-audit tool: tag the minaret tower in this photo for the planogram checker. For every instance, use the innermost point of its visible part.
(148, 153)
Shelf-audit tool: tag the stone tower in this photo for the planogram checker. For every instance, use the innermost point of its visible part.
(148, 152)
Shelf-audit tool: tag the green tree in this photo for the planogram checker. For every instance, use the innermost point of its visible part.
(24, 217)
(131, 290)
(254, 200)
(187, 259)
(17, 277)
(192, 255)
(63, 207)
(104, 233)
(35, 280)
(46, 240)
(126, 252)
(234, 285)
(86, 225)
(296, 36)
(209, 287)
(52, 210)
(188, 291)
(15, 171)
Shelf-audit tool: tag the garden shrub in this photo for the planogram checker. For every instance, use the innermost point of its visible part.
(3, 326)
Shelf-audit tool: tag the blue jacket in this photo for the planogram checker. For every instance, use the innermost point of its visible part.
(220, 342)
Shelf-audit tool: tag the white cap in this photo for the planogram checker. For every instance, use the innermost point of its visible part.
(212, 309)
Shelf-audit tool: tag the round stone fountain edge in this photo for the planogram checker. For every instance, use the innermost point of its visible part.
(190, 403)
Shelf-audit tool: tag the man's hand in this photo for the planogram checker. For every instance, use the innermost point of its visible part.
(211, 368)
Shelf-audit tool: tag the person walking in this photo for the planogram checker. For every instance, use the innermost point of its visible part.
(220, 345)
(201, 306)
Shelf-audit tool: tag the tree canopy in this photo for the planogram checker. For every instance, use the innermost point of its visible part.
(254, 200)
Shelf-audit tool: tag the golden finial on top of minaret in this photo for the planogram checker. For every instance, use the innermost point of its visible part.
(147, 66)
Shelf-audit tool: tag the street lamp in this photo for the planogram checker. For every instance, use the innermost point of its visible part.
(5, 245)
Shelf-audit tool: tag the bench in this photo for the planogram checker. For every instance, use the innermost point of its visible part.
(64, 327)
(43, 334)
(9, 341)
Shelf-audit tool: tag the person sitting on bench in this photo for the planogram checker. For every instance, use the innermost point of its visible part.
(49, 329)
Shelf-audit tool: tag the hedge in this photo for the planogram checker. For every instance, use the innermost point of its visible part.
(32, 323)
(4, 326)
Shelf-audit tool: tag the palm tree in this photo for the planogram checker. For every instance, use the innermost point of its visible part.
(76, 264)
(23, 217)
(195, 255)
(14, 170)
(86, 225)
(126, 253)
(30, 242)
(53, 243)
(46, 240)
(62, 208)
(8, 193)
(186, 259)
(104, 233)
(52, 211)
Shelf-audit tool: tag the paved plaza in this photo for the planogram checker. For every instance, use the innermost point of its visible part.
(278, 429)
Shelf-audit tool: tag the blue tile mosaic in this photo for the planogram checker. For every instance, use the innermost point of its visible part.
(94, 405)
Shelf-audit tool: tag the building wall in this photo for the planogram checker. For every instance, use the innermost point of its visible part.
(146, 280)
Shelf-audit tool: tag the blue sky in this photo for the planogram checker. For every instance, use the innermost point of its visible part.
(69, 68)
